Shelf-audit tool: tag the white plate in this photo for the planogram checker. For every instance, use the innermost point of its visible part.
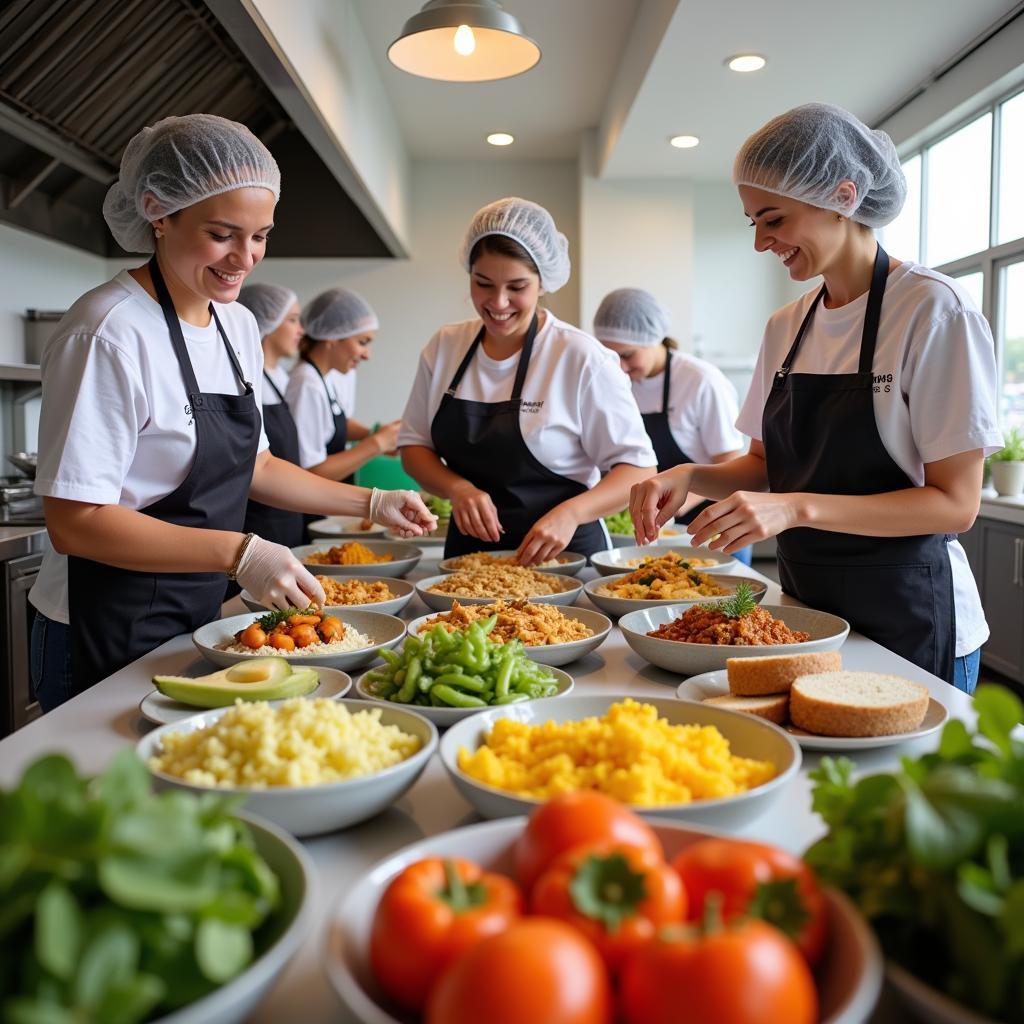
(443, 602)
(161, 709)
(624, 605)
(346, 527)
(404, 558)
(716, 684)
(439, 536)
(403, 588)
(571, 565)
(609, 563)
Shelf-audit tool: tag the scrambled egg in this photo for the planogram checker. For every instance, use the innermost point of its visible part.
(630, 753)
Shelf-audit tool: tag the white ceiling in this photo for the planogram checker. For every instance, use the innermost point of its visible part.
(865, 56)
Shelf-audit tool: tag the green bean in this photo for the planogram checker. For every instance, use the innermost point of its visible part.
(504, 677)
(511, 698)
(475, 683)
(412, 673)
(405, 694)
(391, 657)
(456, 699)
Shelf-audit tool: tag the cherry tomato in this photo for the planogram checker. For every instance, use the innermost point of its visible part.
(429, 914)
(754, 878)
(537, 971)
(746, 973)
(575, 819)
(617, 896)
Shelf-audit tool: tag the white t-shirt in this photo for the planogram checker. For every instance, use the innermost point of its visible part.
(114, 428)
(345, 388)
(702, 407)
(279, 375)
(311, 409)
(935, 386)
(578, 415)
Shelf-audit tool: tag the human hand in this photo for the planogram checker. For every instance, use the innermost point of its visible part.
(656, 500)
(386, 437)
(744, 518)
(275, 577)
(402, 511)
(475, 514)
(549, 536)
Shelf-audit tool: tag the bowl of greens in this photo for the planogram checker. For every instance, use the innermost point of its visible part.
(128, 906)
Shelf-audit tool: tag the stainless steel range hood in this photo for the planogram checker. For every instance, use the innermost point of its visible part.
(78, 78)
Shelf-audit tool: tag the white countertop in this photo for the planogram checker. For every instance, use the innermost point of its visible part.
(94, 725)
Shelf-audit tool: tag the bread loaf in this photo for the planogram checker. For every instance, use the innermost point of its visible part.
(773, 706)
(857, 704)
(752, 677)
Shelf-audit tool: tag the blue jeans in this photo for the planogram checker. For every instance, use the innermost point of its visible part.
(965, 671)
(50, 662)
(744, 555)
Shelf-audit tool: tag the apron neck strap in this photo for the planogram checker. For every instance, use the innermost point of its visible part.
(332, 398)
(668, 380)
(270, 381)
(521, 368)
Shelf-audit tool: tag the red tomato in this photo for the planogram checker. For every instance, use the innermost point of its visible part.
(747, 973)
(756, 878)
(575, 819)
(429, 914)
(616, 895)
(537, 971)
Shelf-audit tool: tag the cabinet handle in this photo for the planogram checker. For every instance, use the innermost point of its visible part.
(1018, 562)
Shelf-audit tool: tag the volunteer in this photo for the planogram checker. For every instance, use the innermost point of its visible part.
(339, 328)
(688, 406)
(277, 312)
(524, 422)
(871, 409)
(150, 436)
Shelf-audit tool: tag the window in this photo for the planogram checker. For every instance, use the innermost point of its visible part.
(1011, 170)
(902, 238)
(974, 284)
(1010, 342)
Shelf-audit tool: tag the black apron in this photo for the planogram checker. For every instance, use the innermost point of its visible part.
(820, 435)
(665, 448)
(482, 442)
(117, 615)
(277, 524)
(336, 442)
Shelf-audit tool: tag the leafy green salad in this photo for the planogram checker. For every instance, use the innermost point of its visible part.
(620, 523)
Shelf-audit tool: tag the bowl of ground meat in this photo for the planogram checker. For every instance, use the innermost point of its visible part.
(702, 637)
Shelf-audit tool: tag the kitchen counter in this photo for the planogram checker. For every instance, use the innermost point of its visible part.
(93, 726)
(16, 541)
(1005, 509)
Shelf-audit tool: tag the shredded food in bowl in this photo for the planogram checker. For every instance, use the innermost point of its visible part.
(354, 591)
(665, 577)
(352, 553)
(483, 559)
(535, 625)
(508, 581)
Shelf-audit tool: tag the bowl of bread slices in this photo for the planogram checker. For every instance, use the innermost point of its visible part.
(821, 704)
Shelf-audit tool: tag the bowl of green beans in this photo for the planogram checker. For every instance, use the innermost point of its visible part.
(446, 676)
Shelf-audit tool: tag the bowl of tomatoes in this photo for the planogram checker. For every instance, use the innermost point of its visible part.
(584, 914)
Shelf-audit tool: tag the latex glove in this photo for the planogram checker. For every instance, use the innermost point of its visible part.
(402, 511)
(275, 577)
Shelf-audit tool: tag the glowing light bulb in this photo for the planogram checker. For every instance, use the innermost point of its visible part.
(465, 41)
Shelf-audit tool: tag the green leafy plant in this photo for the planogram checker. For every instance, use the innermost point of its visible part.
(741, 603)
(933, 854)
(620, 523)
(117, 905)
(275, 618)
(1013, 447)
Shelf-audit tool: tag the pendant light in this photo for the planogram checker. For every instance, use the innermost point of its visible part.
(463, 41)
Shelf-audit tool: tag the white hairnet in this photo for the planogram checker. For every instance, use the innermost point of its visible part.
(808, 151)
(269, 303)
(178, 162)
(533, 228)
(631, 316)
(338, 313)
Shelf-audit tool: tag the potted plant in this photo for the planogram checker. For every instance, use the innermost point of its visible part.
(1008, 464)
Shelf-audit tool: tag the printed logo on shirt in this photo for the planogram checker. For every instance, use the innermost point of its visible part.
(188, 413)
(883, 381)
(531, 406)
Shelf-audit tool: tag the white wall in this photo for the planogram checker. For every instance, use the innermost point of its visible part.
(414, 297)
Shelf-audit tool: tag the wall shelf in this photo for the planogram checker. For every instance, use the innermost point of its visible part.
(29, 372)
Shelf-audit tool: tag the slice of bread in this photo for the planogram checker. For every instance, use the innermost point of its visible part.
(773, 706)
(857, 704)
(752, 677)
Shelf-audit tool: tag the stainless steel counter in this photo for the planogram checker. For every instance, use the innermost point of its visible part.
(16, 541)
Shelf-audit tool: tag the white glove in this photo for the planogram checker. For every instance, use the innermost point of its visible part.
(275, 577)
(403, 511)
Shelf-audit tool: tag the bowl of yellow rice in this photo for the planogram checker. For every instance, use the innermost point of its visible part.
(664, 757)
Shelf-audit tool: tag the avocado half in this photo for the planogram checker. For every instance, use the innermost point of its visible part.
(259, 679)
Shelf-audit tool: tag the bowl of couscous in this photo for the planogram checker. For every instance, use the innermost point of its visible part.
(354, 593)
(567, 563)
(337, 557)
(696, 762)
(310, 766)
(625, 559)
(633, 591)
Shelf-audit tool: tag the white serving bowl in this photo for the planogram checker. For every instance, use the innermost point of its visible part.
(444, 717)
(402, 588)
(313, 810)
(404, 558)
(569, 563)
(345, 528)
(617, 606)
(828, 632)
(555, 654)
(848, 979)
(748, 737)
(236, 1000)
(615, 561)
(383, 630)
(443, 602)
(432, 539)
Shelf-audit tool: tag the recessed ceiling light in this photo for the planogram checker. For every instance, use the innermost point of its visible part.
(500, 139)
(744, 62)
(684, 141)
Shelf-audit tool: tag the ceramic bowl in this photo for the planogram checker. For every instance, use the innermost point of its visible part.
(569, 563)
(383, 630)
(828, 632)
(616, 606)
(628, 557)
(403, 590)
(570, 591)
(404, 558)
(848, 979)
(313, 810)
(346, 528)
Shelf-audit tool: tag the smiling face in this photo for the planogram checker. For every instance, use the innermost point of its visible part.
(347, 353)
(807, 239)
(207, 249)
(283, 341)
(638, 361)
(505, 292)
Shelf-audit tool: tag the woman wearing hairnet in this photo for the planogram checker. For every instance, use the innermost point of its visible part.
(688, 406)
(525, 423)
(871, 409)
(150, 435)
(339, 328)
